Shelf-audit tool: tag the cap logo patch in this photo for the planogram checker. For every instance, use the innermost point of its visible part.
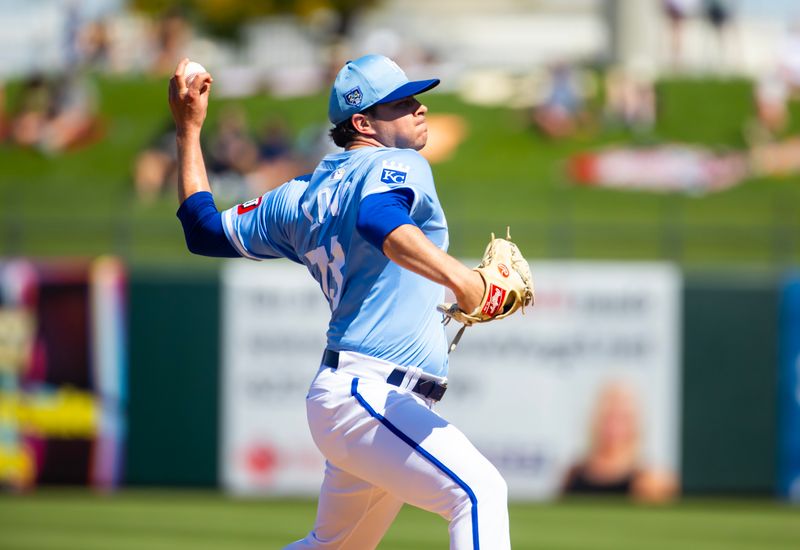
(354, 97)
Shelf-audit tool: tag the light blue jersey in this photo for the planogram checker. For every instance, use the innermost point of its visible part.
(377, 308)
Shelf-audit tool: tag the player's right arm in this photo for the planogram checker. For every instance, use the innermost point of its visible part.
(189, 106)
(201, 221)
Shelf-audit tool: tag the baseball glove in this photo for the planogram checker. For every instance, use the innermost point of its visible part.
(509, 286)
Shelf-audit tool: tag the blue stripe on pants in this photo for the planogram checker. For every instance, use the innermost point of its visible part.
(410, 442)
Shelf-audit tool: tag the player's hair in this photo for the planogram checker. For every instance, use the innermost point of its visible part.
(344, 132)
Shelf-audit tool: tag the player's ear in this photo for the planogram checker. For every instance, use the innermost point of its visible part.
(362, 124)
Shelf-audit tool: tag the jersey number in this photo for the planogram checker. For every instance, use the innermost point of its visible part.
(330, 266)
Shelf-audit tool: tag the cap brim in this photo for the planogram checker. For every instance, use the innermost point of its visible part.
(409, 89)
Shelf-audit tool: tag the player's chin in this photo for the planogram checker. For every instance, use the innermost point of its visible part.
(422, 140)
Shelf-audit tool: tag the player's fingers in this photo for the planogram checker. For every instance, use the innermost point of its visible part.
(180, 79)
(201, 82)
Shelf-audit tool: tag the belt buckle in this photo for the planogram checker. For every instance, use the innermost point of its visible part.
(436, 391)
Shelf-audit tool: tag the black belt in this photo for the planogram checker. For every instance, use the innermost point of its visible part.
(426, 388)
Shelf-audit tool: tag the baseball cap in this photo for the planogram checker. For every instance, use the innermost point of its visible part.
(368, 81)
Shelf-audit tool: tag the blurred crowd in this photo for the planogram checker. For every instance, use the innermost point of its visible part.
(53, 114)
(59, 113)
(241, 163)
(718, 16)
(568, 101)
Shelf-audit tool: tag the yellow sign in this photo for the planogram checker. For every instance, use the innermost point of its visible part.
(16, 336)
(16, 465)
(63, 413)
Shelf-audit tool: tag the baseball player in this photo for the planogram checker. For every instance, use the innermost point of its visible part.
(368, 225)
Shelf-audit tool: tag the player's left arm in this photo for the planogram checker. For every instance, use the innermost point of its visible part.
(408, 247)
(384, 221)
(398, 192)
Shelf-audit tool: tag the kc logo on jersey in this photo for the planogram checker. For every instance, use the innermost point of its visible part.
(246, 207)
(394, 172)
(393, 176)
(496, 297)
(354, 97)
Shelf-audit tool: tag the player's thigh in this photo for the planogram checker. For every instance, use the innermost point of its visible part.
(412, 452)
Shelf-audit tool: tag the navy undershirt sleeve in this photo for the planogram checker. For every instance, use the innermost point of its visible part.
(202, 227)
(381, 213)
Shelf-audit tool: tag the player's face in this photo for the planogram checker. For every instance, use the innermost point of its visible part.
(401, 123)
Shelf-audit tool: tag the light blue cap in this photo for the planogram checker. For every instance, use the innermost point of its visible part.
(368, 81)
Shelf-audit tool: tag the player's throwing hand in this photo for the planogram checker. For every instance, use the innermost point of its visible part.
(189, 103)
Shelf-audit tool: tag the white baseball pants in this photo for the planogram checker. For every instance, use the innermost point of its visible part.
(385, 446)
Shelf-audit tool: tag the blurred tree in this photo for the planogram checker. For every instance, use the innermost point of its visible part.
(225, 17)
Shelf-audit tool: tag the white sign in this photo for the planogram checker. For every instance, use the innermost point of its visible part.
(273, 328)
(527, 391)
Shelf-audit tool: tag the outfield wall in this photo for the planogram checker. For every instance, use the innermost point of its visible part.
(728, 372)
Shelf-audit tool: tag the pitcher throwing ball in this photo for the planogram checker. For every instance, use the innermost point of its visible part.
(369, 227)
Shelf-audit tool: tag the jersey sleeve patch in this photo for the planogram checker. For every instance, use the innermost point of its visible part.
(394, 172)
(246, 207)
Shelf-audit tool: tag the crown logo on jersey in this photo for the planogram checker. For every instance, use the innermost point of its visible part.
(354, 97)
(393, 165)
(394, 172)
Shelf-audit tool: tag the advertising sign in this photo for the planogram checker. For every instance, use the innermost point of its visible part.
(273, 332)
(594, 365)
(62, 370)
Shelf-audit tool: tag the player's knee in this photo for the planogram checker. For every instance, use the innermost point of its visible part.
(491, 491)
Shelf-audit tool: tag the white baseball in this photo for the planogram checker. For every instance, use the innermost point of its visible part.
(192, 69)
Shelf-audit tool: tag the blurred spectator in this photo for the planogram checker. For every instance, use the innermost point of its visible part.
(86, 42)
(314, 142)
(677, 11)
(630, 99)
(771, 96)
(562, 111)
(238, 165)
(719, 15)
(57, 115)
(5, 123)
(231, 148)
(275, 140)
(156, 168)
(94, 42)
(30, 117)
(789, 57)
(276, 160)
(72, 23)
(172, 32)
(613, 463)
(73, 120)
